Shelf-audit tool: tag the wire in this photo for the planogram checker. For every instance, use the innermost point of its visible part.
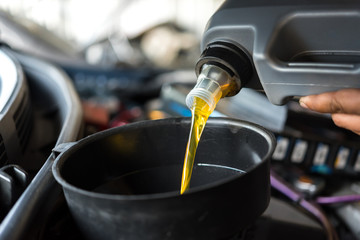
(312, 207)
(338, 199)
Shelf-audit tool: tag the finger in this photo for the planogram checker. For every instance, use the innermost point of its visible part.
(342, 101)
(348, 121)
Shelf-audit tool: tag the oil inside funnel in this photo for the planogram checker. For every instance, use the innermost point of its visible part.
(164, 179)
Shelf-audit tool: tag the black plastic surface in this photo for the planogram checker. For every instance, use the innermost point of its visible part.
(230, 58)
(13, 181)
(220, 202)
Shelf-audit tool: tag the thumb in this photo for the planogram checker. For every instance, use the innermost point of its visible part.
(342, 101)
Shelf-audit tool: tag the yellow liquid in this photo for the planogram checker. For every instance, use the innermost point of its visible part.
(200, 113)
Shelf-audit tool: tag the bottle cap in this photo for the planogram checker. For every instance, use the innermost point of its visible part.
(206, 89)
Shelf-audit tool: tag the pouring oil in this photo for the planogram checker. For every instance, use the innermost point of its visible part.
(200, 113)
(213, 83)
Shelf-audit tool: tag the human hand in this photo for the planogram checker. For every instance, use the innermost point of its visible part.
(343, 105)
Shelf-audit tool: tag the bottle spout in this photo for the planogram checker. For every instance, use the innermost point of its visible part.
(213, 83)
(222, 71)
(232, 59)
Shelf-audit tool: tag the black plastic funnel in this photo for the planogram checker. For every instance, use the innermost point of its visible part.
(124, 183)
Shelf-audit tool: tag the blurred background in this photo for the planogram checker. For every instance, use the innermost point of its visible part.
(134, 60)
(161, 33)
(117, 53)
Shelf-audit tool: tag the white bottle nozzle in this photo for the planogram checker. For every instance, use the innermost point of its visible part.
(209, 86)
(206, 89)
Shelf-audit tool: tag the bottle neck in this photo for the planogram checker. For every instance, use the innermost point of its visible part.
(212, 84)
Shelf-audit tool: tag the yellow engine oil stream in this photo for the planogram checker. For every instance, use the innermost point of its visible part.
(213, 83)
(200, 113)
